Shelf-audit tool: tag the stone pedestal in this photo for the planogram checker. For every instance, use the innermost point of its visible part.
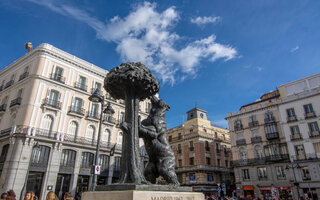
(141, 195)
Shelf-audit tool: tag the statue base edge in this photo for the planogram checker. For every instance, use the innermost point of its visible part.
(122, 187)
(141, 195)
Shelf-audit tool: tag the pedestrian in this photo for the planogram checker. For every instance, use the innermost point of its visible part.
(68, 196)
(4, 196)
(210, 197)
(11, 194)
(51, 196)
(29, 195)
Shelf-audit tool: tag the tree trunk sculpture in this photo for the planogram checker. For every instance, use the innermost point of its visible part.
(132, 82)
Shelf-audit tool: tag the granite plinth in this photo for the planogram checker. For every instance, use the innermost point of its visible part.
(122, 187)
(141, 195)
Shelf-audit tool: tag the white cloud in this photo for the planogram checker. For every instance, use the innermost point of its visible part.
(259, 69)
(146, 35)
(204, 20)
(294, 49)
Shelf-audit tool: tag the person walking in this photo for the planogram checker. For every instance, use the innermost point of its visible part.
(51, 196)
(68, 196)
(29, 195)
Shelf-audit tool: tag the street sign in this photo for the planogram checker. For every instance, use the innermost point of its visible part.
(97, 169)
(219, 189)
(223, 185)
(238, 190)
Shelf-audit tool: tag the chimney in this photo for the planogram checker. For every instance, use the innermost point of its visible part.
(28, 46)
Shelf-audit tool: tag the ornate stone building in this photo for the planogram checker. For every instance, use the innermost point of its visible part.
(202, 154)
(49, 128)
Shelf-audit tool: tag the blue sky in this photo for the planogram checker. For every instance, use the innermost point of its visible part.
(218, 55)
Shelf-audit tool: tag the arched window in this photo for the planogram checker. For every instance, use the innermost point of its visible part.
(47, 123)
(103, 162)
(90, 132)
(119, 138)
(4, 153)
(40, 156)
(68, 158)
(73, 128)
(86, 159)
(106, 135)
(258, 153)
(242, 154)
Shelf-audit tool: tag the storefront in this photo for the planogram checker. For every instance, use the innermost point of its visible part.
(248, 191)
(310, 192)
(285, 192)
(265, 191)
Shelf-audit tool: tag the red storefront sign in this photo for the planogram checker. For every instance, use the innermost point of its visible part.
(284, 188)
(248, 187)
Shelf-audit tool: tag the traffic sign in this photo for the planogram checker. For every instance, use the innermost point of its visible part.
(219, 189)
(223, 185)
(97, 169)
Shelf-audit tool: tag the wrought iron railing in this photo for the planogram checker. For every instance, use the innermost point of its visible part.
(109, 119)
(291, 119)
(241, 142)
(256, 139)
(253, 124)
(52, 103)
(23, 76)
(57, 77)
(9, 84)
(93, 115)
(269, 120)
(81, 86)
(15, 102)
(76, 110)
(272, 135)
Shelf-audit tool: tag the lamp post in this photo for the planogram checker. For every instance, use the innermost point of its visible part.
(24, 188)
(98, 98)
(294, 176)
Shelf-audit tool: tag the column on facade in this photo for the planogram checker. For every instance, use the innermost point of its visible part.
(74, 177)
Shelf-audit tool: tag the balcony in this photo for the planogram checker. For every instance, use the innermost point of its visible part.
(94, 89)
(23, 76)
(238, 127)
(218, 151)
(207, 148)
(191, 148)
(80, 86)
(75, 110)
(66, 167)
(58, 77)
(109, 119)
(93, 115)
(309, 156)
(256, 139)
(269, 120)
(3, 107)
(310, 115)
(272, 136)
(241, 142)
(291, 119)
(278, 157)
(262, 178)
(314, 134)
(15, 102)
(253, 124)
(179, 150)
(9, 84)
(296, 136)
(51, 103)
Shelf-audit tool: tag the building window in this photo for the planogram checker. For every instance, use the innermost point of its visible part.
(245, 174)
(179, 136)
(215, 135)
(40, 155)
(170, 138)
(68, 157)
(280, 172)
(106, 136)
(119, 138)
(242, 153)
(208, 160)
(262, 173)
(210, 178)
(86, 159)
(90, 132)
(47, 123)
(97, 86)
(314, 129)
(207, 147)
(73, 128)
(179, 148)
(57, 75)
(317, 148)
(148, 107)
(180, 163)
(192, 178)
(218, 162)
(121, 117)
(305, 173)
(191, 148)
(300, 152)
(308, 108)
(117, 163)
(82, 82)
(290, 112)
(191, 161)
(4, 153)
(269, 117)
(295, 132)
(53, 98)
(94, 111)
(258, 153)
(227, 163)
(103, 162)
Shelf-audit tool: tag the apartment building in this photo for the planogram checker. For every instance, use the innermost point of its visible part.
(49, 128)
(202, 153)
(299, 117)
(259, 149)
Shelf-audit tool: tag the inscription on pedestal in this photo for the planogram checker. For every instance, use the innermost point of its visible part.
(172, 198)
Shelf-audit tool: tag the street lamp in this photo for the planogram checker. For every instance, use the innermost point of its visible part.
(294, 175)
(98, 98)
(24, 188)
